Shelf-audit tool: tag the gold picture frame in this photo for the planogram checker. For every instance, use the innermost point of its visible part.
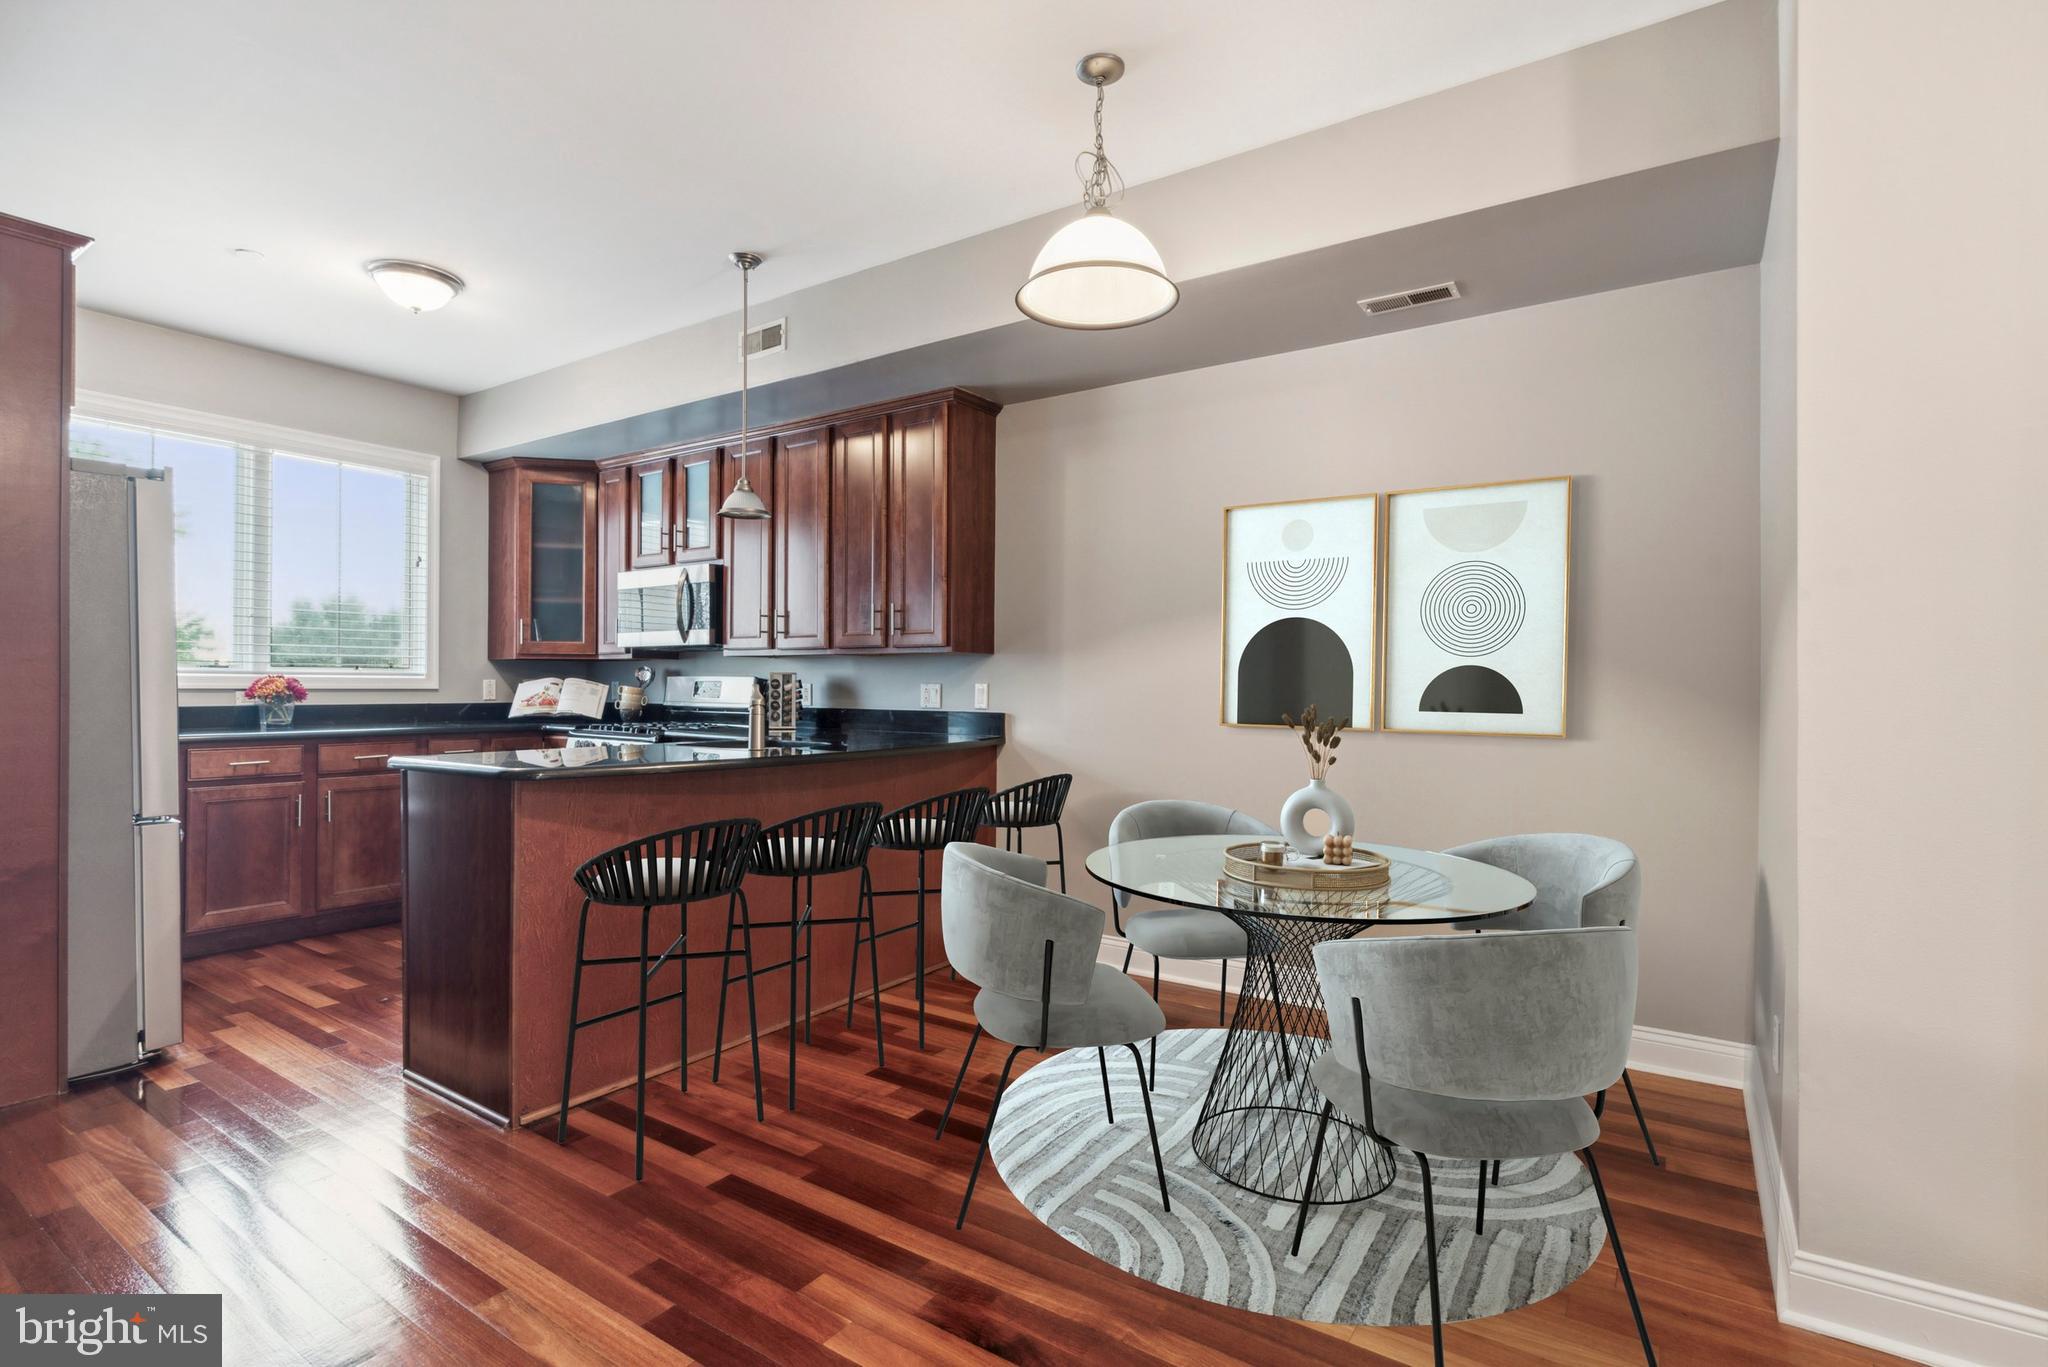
(1387, 593)
(1369, 559)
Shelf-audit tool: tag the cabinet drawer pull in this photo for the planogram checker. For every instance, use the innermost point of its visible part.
(299, 810)
(385, 755)
(245, 763)
(895, 617)
(330, 806)
(877, 615)
(522, 631)
(469, 750)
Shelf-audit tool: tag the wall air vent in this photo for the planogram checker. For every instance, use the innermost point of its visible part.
(1408, 299)
(767, 337)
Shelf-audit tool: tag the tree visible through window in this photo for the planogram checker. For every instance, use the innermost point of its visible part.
(285, 561)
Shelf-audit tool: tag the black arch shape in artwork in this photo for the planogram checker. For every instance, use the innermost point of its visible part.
(1471, 688)
(1289, 664)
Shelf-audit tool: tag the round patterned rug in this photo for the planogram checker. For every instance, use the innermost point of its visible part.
(1364, 1263)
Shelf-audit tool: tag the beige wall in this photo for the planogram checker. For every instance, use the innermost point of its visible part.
(1775, 1015)
(1923, 744)
(1109, 525)
(132, 360)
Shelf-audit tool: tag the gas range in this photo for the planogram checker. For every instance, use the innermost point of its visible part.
(619, 733)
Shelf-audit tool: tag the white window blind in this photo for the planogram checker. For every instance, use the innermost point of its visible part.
(290, 562)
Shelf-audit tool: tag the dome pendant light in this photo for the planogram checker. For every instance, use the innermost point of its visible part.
(1098, 272)
(743, 503)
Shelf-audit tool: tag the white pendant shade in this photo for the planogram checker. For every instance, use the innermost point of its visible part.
(1097, 272)
(414, 285)
(743, 503)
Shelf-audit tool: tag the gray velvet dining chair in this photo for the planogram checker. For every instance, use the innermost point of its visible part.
(1477, 1048)
(1182, 932)
(1032, 951)
(1581, 880)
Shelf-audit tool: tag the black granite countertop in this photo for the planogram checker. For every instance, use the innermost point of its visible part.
(607, 761)
(335, 721)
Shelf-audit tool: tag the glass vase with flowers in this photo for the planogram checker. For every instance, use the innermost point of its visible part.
(276, 695)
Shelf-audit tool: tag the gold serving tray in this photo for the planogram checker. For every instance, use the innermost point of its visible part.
(1366, 872)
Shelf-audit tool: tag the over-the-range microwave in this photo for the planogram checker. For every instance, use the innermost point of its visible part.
(671, 606)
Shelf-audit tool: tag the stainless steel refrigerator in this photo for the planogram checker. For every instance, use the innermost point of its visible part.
(122, 912)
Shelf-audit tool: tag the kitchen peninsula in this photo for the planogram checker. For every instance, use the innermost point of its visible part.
(492, 840)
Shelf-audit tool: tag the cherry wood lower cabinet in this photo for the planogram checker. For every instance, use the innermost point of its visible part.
(286, 839)
(245, 853)
(358, 862)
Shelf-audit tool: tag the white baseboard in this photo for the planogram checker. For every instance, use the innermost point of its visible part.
(1901, 1315)
(1904, 1316)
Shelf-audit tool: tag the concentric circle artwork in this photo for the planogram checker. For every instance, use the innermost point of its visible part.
(1297, 585)
(1474, 607)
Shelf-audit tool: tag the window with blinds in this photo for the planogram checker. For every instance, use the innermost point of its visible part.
(288, 562)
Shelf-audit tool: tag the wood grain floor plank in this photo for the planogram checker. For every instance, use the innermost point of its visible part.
(277, 1157)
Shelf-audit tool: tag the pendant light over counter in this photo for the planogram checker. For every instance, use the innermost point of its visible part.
(1098, 272)
(743, 504)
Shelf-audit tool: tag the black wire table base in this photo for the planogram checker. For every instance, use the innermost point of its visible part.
(1258, 1123)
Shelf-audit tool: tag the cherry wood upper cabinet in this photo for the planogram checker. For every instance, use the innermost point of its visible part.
(881, 535)
(695, 533)
(860, 518)
(670, 518)
(611, 558)
(750, 555)
(941, 528)
(650, 514)
(802, 523)
(543, 571)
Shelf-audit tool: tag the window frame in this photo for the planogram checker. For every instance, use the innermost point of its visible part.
(93, 406)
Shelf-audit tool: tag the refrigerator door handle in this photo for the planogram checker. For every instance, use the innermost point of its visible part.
(179, 822)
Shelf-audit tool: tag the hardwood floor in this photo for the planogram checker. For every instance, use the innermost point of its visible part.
(277, 1158)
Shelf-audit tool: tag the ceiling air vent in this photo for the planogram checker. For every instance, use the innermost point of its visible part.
(1408, 299)
(768, 337)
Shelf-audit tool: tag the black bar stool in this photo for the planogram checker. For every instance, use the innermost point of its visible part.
(924, 826)
(804, 849)
(672, 869)
(1040, 802)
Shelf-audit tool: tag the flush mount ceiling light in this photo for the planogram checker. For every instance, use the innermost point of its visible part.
(1098, 272)
(414, 284)
(743, 504)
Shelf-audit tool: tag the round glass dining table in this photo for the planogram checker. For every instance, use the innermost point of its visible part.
(1259, 1117)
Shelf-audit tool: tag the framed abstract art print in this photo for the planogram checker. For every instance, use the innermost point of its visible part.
(1300, 603)
(1477, 596)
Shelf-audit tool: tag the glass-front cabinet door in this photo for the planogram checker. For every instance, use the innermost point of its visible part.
(649, 487)
(560, 525)
(696, 523)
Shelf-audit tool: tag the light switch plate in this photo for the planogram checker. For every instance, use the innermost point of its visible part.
(490, 690)
(928, 695)
(981, 695)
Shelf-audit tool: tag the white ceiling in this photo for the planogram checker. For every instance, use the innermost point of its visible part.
(586, 167)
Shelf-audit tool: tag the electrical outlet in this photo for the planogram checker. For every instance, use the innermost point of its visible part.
(490, 690)
(981, 695)
(928, 695)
